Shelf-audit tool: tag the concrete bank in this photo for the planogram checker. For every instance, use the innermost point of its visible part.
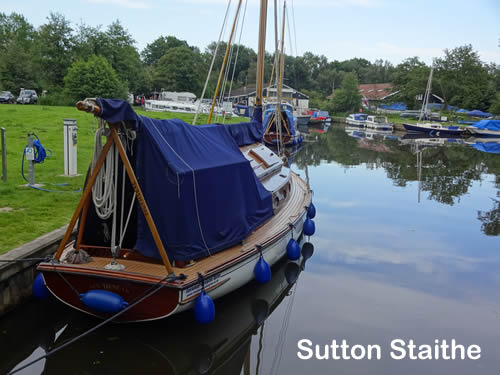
(17, 278)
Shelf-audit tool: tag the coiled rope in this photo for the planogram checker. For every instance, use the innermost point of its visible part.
(103, 189)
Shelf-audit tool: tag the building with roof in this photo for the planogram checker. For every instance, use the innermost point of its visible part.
(246, 95)
(374, 93)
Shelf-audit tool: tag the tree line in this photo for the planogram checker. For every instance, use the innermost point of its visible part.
(71, 62)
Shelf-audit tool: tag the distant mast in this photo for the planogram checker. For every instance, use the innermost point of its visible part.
(261, 53)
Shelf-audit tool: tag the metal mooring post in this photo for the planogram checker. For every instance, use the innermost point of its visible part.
(4, 156)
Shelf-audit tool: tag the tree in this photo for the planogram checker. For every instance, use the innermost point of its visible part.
(18, 68)
(154, 51)
(124, 57)
(495, 105)
(93, 78)
(179, 70)
(56, 47)
(411, 77)
(464, 79)
(347, 98)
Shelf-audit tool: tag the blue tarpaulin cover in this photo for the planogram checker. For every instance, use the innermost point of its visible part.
(488, 124)
(490, 147)
(478, 113)
(399, 106)
(202, 192)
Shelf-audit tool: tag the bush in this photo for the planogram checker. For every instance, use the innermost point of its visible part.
(57, 98)
(93, 78)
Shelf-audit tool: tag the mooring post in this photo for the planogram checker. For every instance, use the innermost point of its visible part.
(4, 156)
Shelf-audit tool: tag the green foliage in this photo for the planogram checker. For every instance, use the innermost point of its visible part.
(40, 58)
(58, 98)
(17, 42)
(411, 77)
(56, 50)
(495, 105)
(93, 78)
(347, 98)
(179, 70)
(154, 51)
(463, 79)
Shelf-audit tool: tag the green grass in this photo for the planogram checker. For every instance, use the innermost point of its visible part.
(34, 212)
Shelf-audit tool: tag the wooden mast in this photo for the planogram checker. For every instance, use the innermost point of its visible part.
(221, 74)
(261, 53)
(280, 81)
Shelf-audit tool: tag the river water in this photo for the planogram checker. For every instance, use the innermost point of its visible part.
(406, 247)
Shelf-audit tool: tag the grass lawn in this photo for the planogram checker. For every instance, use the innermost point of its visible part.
(26, 213)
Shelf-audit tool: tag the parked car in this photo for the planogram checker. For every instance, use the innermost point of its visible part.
(27, 97)
(6, 97)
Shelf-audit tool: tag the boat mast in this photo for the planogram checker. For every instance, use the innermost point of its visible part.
(280, 82)
(221, 74)
(427, 94)
(261, 53)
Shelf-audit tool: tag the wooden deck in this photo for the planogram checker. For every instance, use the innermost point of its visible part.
(278, 224)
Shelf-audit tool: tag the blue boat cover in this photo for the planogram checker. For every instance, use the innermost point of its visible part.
(478, 113)
(321, 114)
(242, 110)
(488, 124)
(360, 116)
(202, 192)
(399, 106)
(490, 147)
(270, 111)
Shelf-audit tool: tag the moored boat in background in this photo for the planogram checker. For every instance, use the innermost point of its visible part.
(378, 123)
(288, 134)
(485, 128)
(356, 119)
(320, 116)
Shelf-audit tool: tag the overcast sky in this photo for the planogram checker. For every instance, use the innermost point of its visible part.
(339, 29)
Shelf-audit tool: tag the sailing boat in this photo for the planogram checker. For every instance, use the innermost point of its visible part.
(279, 121)
(431, 128)
(215, 208)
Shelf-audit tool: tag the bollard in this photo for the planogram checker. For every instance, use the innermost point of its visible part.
(4, 156)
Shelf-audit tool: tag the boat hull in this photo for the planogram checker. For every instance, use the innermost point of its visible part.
(483, 132)
(174, 297)
(383, 127)
(433, 129)
(359, 124)
(161, 304)
(273, 139)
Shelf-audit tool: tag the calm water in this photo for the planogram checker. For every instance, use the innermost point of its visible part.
(407, 247)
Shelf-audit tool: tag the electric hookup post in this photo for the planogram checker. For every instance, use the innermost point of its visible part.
(30, 157)
(70, 141)
(4, 156)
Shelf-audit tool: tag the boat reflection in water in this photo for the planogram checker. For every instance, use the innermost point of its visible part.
(172, 346)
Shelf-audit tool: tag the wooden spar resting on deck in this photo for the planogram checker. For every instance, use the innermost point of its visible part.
(85, 200)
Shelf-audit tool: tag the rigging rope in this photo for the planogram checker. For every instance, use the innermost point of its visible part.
(212, 63)
(237, 51)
